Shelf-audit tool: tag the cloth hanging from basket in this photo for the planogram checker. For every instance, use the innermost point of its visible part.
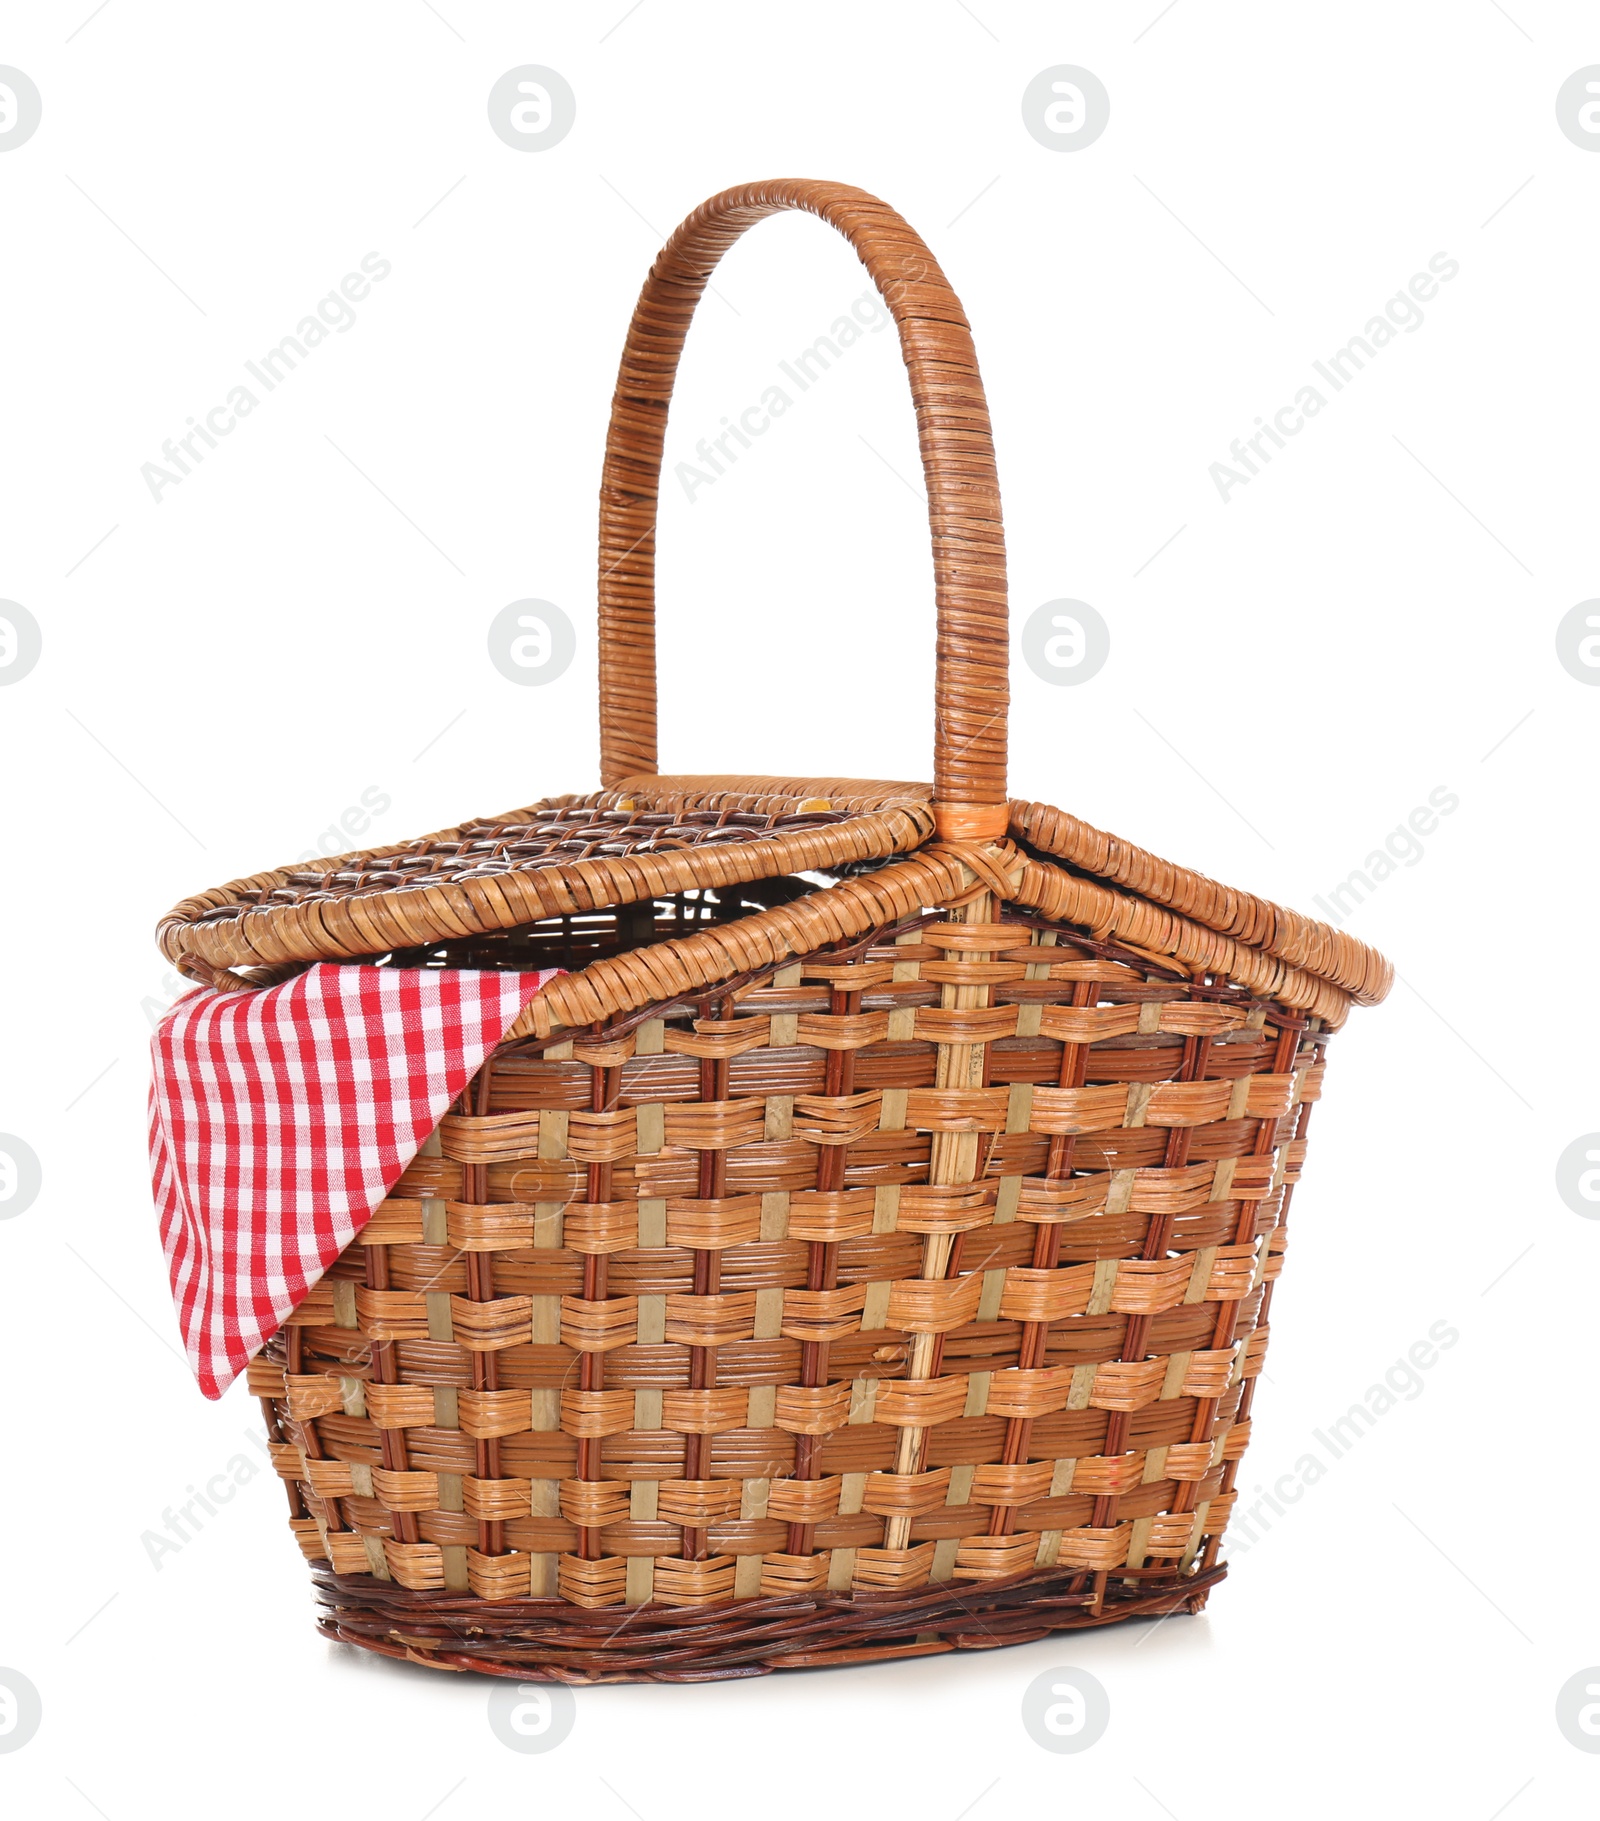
(280, 1118)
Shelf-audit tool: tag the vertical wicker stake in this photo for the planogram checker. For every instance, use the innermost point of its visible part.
(391, 1442)
(1157, 1239)
(1032, 1352)
(592, 1359)
(486, 1416)
(953, 1162)
(595, 1323)
(822, 1258)
(710, 1189)
(302, 1431)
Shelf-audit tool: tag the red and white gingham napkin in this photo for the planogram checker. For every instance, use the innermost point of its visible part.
(279, 1119)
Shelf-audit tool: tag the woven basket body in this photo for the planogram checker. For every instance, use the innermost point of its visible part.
(816, 1272)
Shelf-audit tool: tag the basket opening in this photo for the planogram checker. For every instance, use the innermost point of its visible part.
(574, 941)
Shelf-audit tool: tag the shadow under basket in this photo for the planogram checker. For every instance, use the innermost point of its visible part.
(865, 1249)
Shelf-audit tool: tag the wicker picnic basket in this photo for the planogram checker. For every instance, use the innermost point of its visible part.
(817, 1272)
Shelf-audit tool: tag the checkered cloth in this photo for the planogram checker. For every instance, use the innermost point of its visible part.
(279, 1119)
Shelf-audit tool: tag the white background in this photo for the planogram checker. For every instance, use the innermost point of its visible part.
(1370, 618)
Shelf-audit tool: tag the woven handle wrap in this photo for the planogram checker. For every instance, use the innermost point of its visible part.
(969, 562)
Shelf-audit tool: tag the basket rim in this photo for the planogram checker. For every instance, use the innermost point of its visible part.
(619, 984)
(1123, 889)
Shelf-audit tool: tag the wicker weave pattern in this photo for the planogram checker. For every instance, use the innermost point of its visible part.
(858, 1279)
(490, 850)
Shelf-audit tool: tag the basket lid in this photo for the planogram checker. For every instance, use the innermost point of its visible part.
(555, 858)
(657, 836)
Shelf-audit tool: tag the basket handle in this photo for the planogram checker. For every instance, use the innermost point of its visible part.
(969, 562)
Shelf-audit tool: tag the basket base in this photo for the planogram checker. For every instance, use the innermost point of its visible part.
(550, 1641)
